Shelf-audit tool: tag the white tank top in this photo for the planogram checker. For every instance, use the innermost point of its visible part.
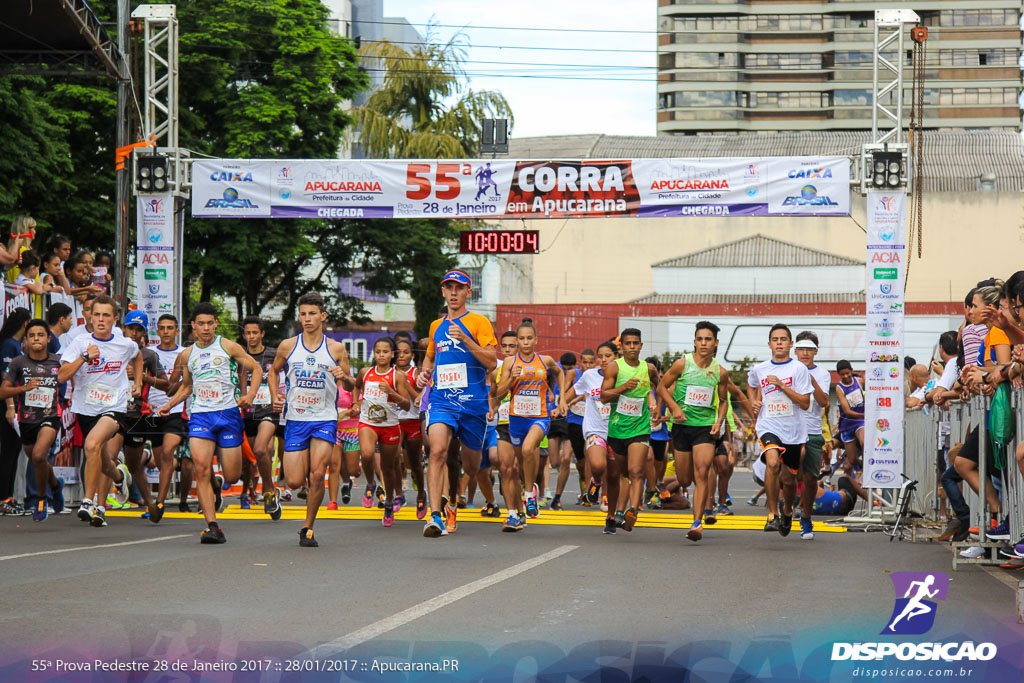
(377, 408)
(312, 389)
(214, 378)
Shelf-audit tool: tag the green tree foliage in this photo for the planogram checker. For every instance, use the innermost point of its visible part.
(413, 114)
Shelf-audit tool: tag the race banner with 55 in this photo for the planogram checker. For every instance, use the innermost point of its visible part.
(480, 188)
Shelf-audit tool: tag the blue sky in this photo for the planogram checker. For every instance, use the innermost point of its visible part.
(618, 96)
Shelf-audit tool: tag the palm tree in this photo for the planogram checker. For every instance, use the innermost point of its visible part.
(411, 116)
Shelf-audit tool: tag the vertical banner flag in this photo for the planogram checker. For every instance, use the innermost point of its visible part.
(155, 258)
(883, 378)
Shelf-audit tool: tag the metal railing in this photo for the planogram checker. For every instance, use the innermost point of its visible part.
(925, 439)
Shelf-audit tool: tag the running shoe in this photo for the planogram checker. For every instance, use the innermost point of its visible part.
(368, 497)
(85, 511)
(512, 524)
(952, 526)
(156, 512)
(772, 524)
(972, 553)
(728, 500)
(694, 534)
(381, 495)
(654, 501)
(57, 495)
(286, 495)
(421, 508)
(462, 503)
(604, 503)
(531, 506)
(962, 534)
(806, 530)
(303, 493)
(435, 527)
(491, 510)
(593, 492)
(272, 504)
(709, 517)
(663, 491)
(122, 489)
(389, 515)
(609, 525)
(224, 486)
(332, 505)
(218, 492)
(450, 514)
(39, 513)
(752, 500)
(183, 506)
(1011, 553)
(99, 518)
(629, 519)
(306, 539)
(1000, 532)
(212, 535)
(546, 498)
(522, 518)
(723, 511)
(620, 519)
(785, 521)
(556, 503)
(346, 492)
(243, 502)
(399, 503)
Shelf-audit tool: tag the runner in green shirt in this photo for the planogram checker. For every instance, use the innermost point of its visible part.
(628, 387)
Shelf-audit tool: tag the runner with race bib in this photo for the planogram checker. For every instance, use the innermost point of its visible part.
(780, 391)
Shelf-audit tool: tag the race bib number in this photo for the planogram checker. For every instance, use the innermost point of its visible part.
(40, 397)
(630, 407)
(262, 396)
(452, 376)
(779, 407)
(503, 411)
(855, 398)
(102, 396)
(578, 408)
(308, 399)
(604, 410)
(699, 397)
(526, 405)
(209, 393)
(373, 393)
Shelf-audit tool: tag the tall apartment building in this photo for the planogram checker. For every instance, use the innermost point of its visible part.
(767, 65)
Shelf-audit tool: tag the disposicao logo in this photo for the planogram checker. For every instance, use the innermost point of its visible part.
(913, 613)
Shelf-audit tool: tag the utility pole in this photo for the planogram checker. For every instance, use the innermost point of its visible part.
(122, 192)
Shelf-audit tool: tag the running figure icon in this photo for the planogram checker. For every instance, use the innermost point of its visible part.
(915, 606)
(484, 181)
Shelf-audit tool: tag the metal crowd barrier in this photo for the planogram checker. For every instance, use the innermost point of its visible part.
(923, 442)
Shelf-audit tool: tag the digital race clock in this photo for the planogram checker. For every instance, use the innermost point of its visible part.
(499, 242)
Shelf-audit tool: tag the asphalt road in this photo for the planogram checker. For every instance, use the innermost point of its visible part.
(555, 588)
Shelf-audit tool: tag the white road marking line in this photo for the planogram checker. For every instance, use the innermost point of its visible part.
(93, 547)
(405, 616)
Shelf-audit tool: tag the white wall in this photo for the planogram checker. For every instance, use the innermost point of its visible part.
(775, 280)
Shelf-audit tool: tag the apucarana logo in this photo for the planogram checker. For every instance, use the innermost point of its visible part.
(913, 614)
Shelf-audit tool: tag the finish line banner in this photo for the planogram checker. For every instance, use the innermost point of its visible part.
(507, 189)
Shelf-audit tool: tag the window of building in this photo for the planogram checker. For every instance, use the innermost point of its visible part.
(476, 278)
(666, 100)
(360, 349)
(347, 343)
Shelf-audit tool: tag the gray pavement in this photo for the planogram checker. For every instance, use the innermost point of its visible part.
(261, 593)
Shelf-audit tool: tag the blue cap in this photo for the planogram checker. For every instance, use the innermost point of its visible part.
(136, 318)
(457, 276)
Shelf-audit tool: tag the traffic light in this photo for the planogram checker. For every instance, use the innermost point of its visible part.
(152, 174)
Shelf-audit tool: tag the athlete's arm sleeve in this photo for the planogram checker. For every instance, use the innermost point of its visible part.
(752, 380)
(483, 331)
(71, 351)
(430, 338)
(802, 383)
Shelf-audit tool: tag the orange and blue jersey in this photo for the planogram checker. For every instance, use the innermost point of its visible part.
(459, 378)
(530, 390)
